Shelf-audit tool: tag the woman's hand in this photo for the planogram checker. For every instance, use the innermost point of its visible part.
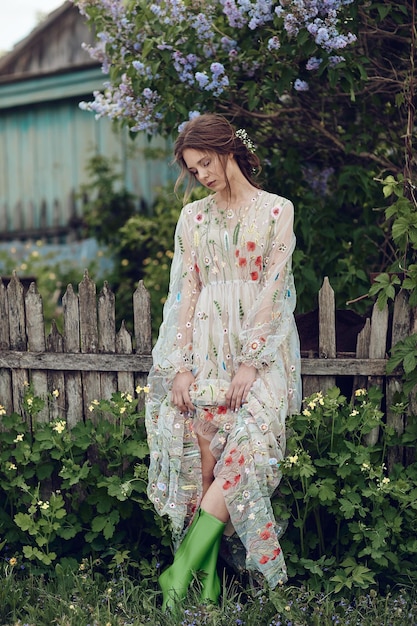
(239, 388)
(180, 392)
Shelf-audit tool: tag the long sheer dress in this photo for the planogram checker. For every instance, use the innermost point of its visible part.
(231, 300)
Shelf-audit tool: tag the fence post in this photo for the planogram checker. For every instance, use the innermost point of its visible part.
(143, 328)
(400, 330)
(73, 381)
(107, 336)
(5, 373)
(89, 338)
(17, 328)
(35, 326)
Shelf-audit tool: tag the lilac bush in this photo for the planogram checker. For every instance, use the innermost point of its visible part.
(173, 56)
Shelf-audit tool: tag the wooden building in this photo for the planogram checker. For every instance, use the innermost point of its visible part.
(46, 140)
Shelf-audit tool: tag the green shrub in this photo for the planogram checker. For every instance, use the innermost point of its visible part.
(68, 494)
(351, 522)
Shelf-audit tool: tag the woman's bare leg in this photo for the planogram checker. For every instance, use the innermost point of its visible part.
(213, 499)
(207, 463)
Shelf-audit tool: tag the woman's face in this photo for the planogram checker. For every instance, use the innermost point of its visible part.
(207, 168)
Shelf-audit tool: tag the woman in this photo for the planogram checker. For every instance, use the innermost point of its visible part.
(226, 367)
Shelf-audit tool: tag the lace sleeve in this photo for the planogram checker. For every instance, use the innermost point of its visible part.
(271, 316)
(173, 351)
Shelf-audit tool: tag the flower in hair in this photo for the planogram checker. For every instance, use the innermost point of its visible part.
(245, 139)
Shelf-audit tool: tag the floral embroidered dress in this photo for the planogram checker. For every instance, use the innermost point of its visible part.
(231, 301)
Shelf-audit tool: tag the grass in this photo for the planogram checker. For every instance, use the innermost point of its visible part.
(89, 598)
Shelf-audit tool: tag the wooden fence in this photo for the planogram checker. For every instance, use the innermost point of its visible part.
(91, 359)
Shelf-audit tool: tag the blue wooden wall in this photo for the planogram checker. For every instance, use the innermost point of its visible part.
(46, 141)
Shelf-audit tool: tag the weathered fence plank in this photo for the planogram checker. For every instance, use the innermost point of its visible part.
(35, 328)
(17, 329)
(73, 383)
(107, 337)
(89, 338)
(323, 380)
(56, 378)
(400, 330)
(125, 379)
(6, 396)
(142, 329)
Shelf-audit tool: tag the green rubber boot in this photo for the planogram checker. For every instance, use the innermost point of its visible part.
(210, 583)
(197, 552)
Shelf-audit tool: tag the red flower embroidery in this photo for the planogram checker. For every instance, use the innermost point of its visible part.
(241, 459)
(277, 552)
(275, 211)
(268, 525)
(208, 415)
(264, 559)
(251, 246)
(242, 262)
(236, 253)
(254, 275)
(197, 269)
(233, 451)
(227, 485)
(228, 460)
(237, 479)
(221, 410)
(265, 534)
(258, 262)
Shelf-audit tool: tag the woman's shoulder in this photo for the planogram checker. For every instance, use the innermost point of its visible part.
(195, 207)
(274, 199)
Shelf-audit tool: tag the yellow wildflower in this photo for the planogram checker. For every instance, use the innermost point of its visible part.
(122, 410)
(13, 561)
(139, 389)
(55, 393)
(293, 459)
(19, 437)
(360, 392)
(306, 412)
(11, 466)
(2, 410)
(59, 427)
(354, 412)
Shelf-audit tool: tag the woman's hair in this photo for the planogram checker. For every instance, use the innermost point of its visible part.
(214, 134)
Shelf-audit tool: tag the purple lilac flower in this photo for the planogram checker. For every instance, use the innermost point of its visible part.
(203, 26)
(313, 64)
(335, 60)
(234, 16)
(301, 85)
(318, 180)
(184, 66)
(274, 43)
(228, 44)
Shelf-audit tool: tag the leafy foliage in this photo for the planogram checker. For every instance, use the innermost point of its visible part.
(350, 520)
(68, 494)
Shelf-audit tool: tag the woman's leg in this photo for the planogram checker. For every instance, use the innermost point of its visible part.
(207, 463)
(213, 499)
